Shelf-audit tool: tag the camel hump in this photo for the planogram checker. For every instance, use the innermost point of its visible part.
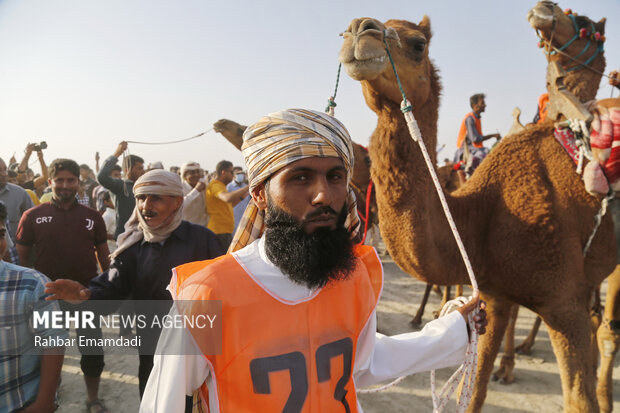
(517, 126)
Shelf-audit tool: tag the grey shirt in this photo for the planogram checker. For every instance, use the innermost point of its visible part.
(17, 201)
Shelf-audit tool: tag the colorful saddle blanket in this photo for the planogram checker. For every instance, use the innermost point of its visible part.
(605, 137)
(604, 141)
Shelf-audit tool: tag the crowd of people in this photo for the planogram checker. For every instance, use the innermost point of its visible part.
(292, 274)
(66, 222)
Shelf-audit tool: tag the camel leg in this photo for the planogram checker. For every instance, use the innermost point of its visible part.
(528, 343)
(569, 325)
(608, 339)
(506, 366)
(416, 321)
(498, 312)
(459, 290)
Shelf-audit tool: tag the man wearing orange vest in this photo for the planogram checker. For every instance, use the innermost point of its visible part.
(541, 112)
(470, 138)
(298, 330)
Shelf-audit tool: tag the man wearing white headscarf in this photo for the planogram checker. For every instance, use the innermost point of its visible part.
(155, 241)
(194, 203)
(297, 295)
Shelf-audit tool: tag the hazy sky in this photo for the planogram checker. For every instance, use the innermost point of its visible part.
(84, 74)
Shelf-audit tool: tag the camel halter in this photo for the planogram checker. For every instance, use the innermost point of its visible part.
(551, 50)
(467, 371)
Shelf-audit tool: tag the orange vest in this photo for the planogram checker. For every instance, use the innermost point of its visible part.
(279, 355)
(543, 101)
(463, 131)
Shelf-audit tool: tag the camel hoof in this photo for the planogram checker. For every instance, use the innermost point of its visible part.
(525, 349)
(504, 373)
(416, 322)
(499, 373)
(507, 379)
(503, 377)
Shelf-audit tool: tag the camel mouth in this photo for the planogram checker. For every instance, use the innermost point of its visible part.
(541, 17)
(366, 69)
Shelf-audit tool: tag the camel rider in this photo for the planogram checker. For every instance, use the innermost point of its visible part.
(541, 112)
(296, 293)
(470, 138)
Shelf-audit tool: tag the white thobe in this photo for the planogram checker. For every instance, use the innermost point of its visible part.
(441, 343)
(194, 205)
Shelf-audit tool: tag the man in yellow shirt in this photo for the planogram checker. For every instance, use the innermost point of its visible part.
(220, 203)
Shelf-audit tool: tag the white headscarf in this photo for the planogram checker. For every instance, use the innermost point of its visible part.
(155, 182)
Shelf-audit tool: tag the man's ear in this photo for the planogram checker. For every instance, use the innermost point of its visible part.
(179, 200)
(259, 195)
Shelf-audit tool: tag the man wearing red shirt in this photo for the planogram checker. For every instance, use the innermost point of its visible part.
(70, 241)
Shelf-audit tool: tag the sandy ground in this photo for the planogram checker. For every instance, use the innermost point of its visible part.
(537, 386)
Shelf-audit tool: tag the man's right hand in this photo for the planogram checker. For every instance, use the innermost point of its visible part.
(30, 148)
(122, 147)
(68, 290)
(200, 186)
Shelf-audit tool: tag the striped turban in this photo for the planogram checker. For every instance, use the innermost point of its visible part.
(281, 138)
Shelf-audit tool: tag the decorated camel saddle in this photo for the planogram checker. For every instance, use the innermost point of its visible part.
(591, 131)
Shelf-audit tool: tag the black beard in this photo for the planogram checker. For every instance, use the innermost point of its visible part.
(313, 259)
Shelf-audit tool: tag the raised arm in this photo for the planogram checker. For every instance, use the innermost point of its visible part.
(234, 197)
(44, 173)
(113, 184)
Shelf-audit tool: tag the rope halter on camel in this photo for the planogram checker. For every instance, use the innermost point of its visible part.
(592, 35)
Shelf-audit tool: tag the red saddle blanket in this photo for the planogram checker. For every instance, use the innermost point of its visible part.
(605, 137)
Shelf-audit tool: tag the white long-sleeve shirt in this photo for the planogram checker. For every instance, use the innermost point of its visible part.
(441, 343)
(194, 205)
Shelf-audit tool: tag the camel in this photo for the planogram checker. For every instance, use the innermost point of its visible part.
(608, 337)
(524, 224)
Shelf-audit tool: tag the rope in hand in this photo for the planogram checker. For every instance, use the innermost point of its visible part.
(467, 371)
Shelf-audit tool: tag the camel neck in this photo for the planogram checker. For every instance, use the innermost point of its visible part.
(406, 197)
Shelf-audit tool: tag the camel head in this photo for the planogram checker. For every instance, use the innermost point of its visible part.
(566, 29)
(365, 59)
(232, 131)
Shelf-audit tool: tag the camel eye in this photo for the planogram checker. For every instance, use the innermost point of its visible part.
(417, 45)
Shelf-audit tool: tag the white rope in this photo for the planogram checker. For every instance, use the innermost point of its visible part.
(467, 371)
(414, 131)
(384, 387)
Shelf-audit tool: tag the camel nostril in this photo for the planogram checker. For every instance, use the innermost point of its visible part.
(369, 24)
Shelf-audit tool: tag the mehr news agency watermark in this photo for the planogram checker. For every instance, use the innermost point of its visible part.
(95, 325)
